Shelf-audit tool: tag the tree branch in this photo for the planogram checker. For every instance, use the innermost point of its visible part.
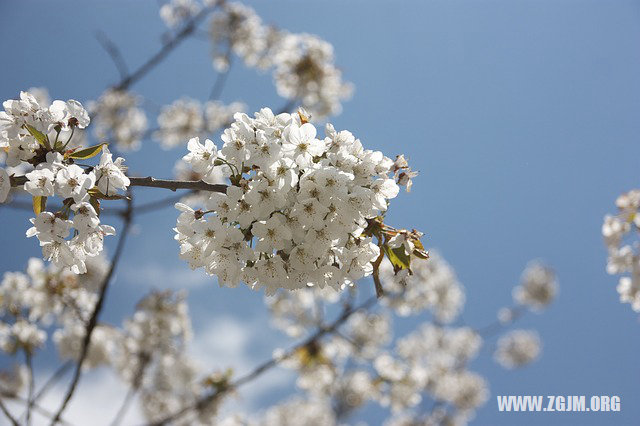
(94, 316)
(173, 185)
(114, 53)
(152, 182)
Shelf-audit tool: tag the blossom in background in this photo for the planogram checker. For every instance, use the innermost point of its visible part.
(518, 348)
(188, 118)
(119, 119)
(538, 287)
(303, 65)
(176, 12)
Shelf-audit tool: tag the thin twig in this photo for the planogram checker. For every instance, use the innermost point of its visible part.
(144, 359)
(113, 52)
(57, 375)
(29, 361)
(494, 327)
(7, 413)
(37, 409)
(267, 365)
(221, 79)
(94, 316)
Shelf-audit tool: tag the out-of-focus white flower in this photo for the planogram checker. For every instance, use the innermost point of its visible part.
(538, 287)
(432, 286)
(518, 348)
(176, 12)
(119, 119)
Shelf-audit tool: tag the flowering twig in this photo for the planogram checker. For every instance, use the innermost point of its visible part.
(267, 365)
(94, 316)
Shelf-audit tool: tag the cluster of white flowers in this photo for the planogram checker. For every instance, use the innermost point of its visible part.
(303, 64)
(118, 118)
(624, 258)
(72, 184)
(187, 118)
(296, 209)
(518, 348)
(22, 119)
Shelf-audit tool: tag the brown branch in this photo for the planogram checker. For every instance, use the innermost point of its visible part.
(173, 185)
(267, 365)
(93, 321)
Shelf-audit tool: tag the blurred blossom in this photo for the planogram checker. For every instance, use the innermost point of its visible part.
(518, 348)
(119, 119)
(538, 287)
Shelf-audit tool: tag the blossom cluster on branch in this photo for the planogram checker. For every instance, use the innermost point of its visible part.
(33, 134)
(297, 208)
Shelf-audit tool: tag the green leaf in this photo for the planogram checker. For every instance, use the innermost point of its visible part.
(92, 151)
(39, 136)
(398, 257)
(39, 204)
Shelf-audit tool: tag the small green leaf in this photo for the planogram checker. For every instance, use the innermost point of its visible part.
(39, 204)
(39, 136)
(398, 257)
(92, 151)
(419, 250)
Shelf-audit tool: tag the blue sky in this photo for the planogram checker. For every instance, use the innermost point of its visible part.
(520, 115)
